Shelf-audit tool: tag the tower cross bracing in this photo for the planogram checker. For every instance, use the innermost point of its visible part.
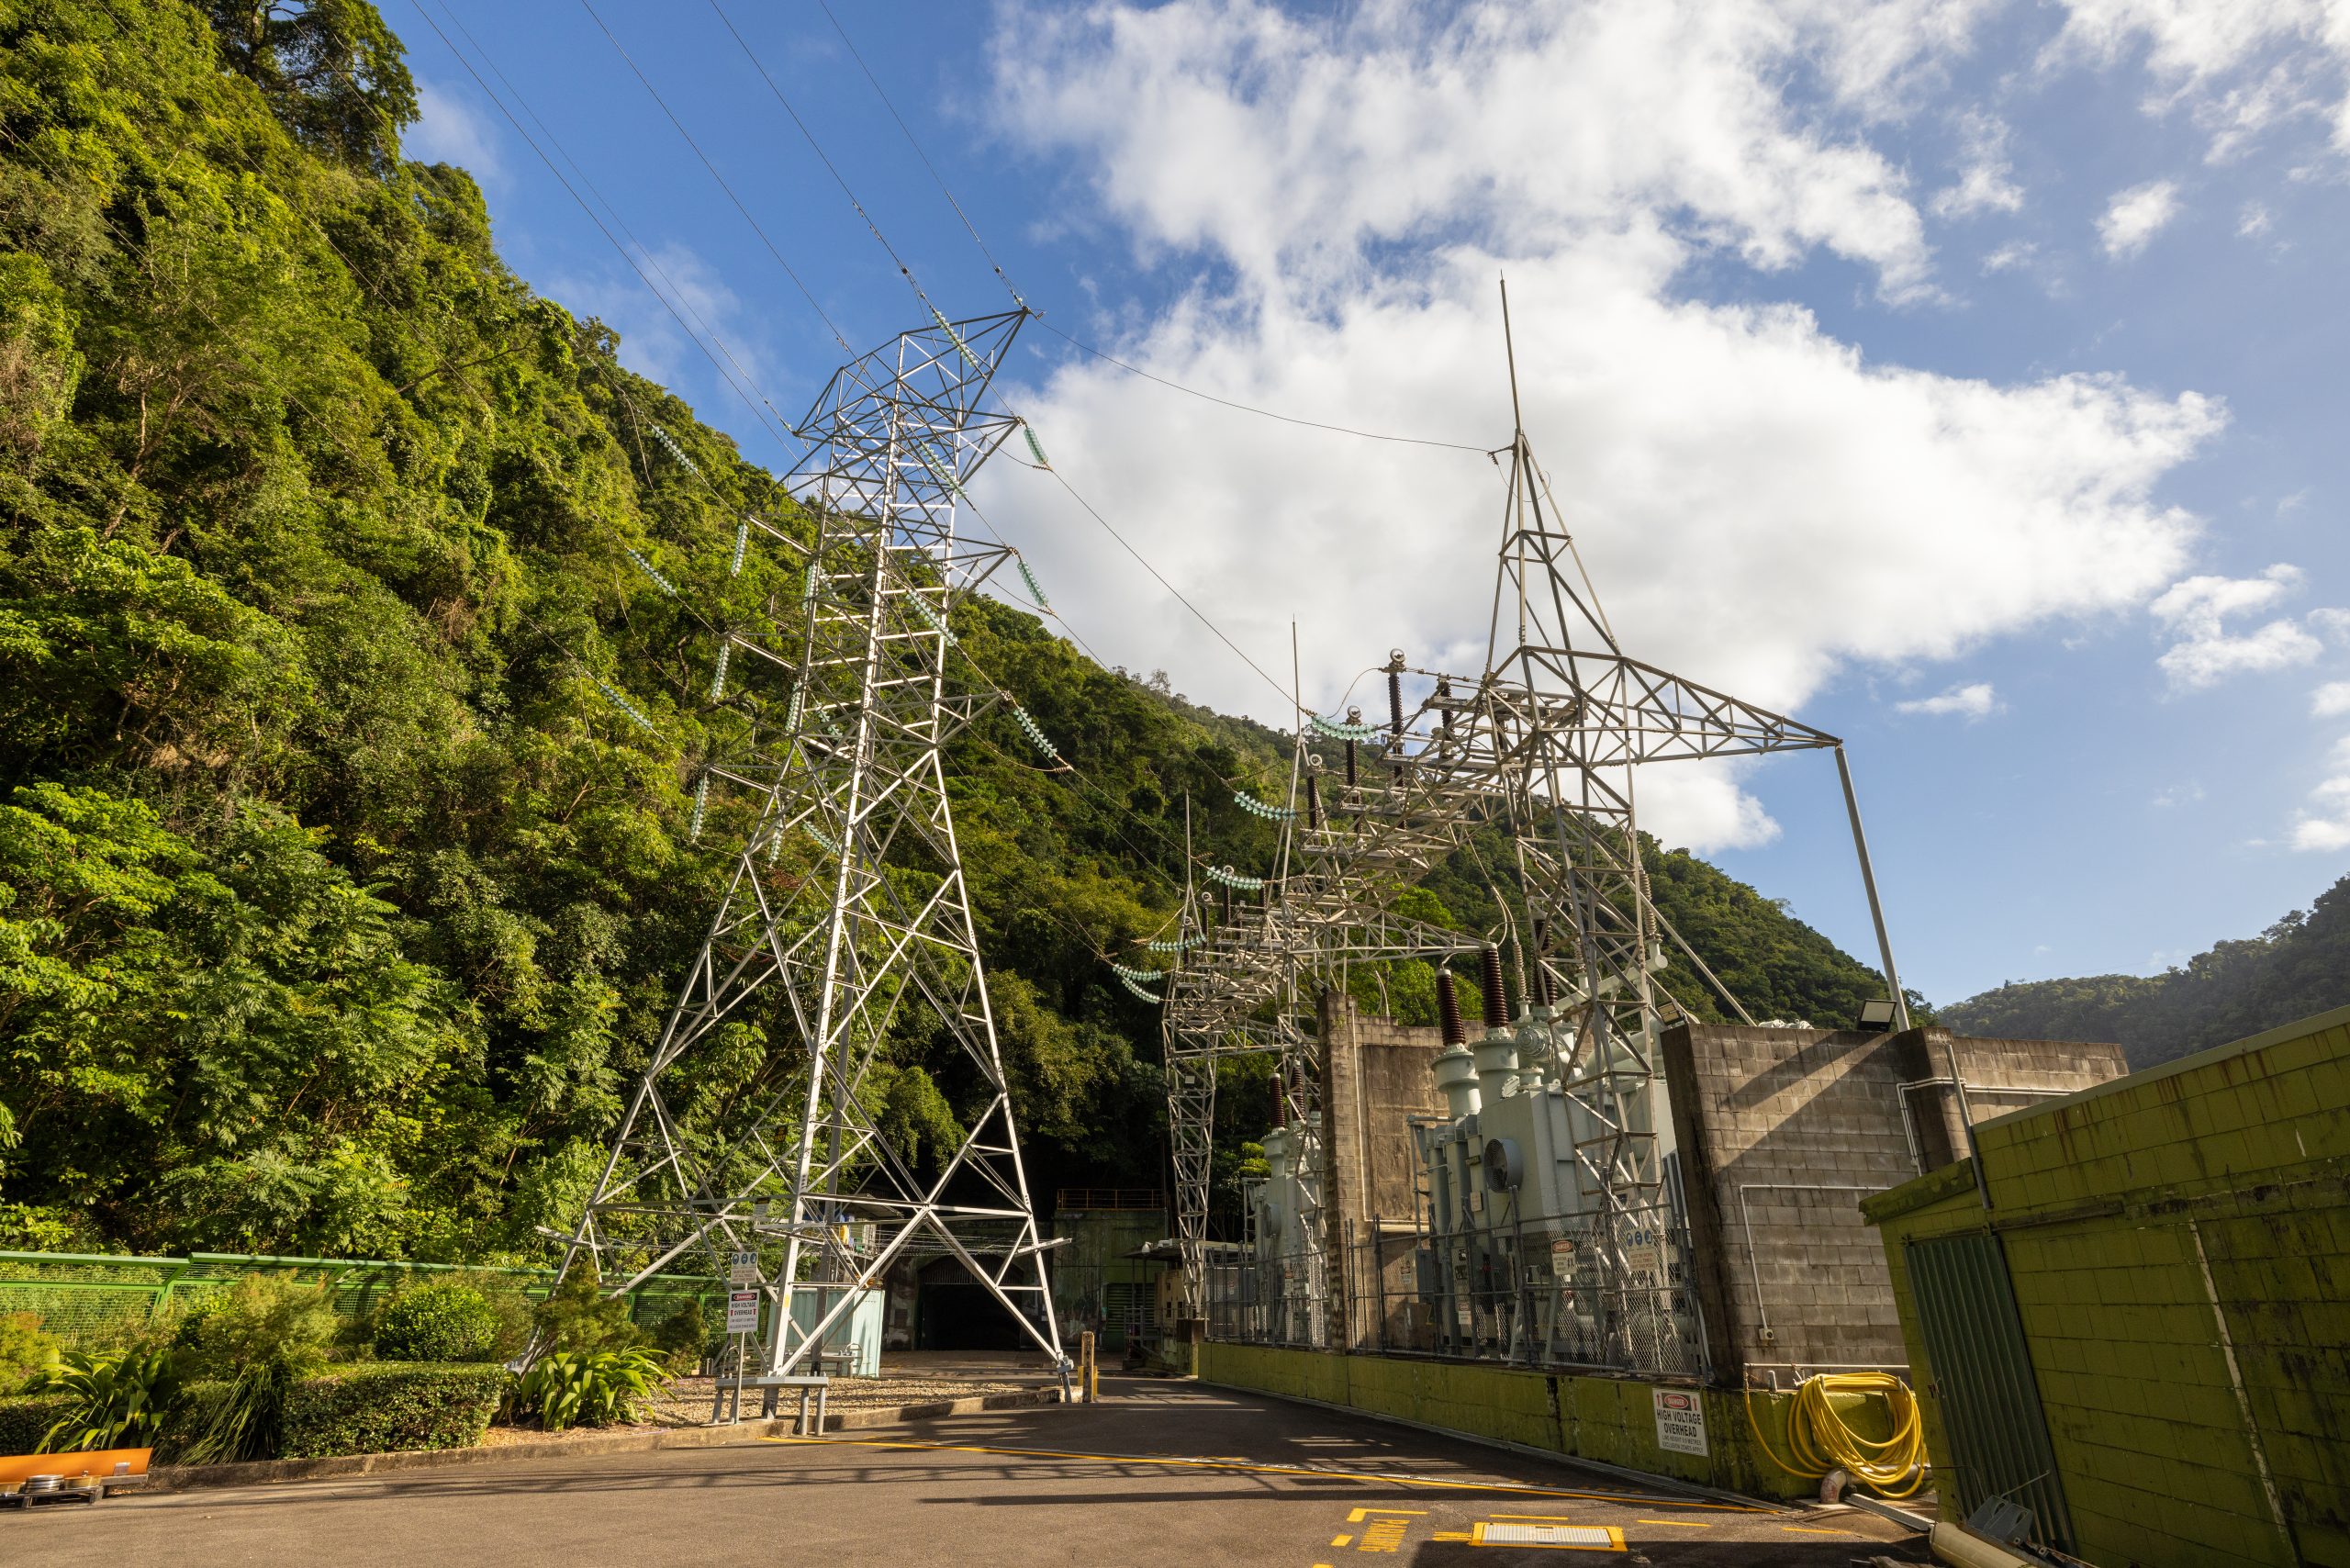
(847, 916)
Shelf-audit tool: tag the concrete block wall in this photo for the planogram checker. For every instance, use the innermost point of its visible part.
(1783, 1131)
(1377, 1075)
(2179, 1243)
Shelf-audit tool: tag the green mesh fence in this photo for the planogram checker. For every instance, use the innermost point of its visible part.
(84, 1297)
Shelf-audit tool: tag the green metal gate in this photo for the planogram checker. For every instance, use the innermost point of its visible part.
(1983, 1382)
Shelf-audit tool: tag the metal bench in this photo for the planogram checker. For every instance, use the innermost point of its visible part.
(722, 1409)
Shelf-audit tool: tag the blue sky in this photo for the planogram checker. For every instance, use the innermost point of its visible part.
(1964, 377)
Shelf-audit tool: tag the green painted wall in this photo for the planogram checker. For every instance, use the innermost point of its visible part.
(1610, 1419)
(2139, 1220)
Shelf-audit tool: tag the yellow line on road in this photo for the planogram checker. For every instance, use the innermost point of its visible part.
(1807, 1530)
(1342, 1540)
(1361, 1513)
(1676, 1524)
(1501, 1487)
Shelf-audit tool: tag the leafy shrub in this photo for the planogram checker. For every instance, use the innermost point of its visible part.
(262, 1320)
(445, 1321)
(259, 1337)
(683, 1338)
(24, 1349)
(26, 1419)
(391, 1407)
(577, 1316)
(585, 1388)
(114, 1401)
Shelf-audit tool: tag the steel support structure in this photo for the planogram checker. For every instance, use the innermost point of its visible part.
(1543, 743)
(847, 916)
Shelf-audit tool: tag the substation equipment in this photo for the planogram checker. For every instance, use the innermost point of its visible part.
(846, 905)
(1549, 1202)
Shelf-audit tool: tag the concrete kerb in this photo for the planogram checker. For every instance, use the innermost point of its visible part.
(1647, 1478)
(185, 1478)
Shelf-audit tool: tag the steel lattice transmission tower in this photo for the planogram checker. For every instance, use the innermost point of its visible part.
(847, 913)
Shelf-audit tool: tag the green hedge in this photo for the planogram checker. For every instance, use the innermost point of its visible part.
(24, 1417)
(391, 1406)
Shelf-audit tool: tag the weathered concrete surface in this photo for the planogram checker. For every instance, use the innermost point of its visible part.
(2177, 1243)
(1161, 1476)
(1783, 1131)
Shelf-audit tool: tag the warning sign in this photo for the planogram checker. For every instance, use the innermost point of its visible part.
(743, 1317)
(1680, 1421)
(745, 1269)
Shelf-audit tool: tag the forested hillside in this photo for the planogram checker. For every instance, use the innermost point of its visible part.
(337, 902)
(2298, 966)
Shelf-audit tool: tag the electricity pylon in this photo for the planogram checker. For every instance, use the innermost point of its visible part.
(847, 905)
(1542, 744)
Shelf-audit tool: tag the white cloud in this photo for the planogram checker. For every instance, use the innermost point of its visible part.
(2010, 256)
(1987, 184)
(2187, 794)
(1758, 504)
(2323, 825)
(2196, 609)
(2330, 701)
(1973, 702)
(2332, 624)
(2240, 66)
(2255, 220)
(1292, 145)
(2135, 216)
(449, 129)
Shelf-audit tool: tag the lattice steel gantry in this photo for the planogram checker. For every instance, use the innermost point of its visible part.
(846, 902)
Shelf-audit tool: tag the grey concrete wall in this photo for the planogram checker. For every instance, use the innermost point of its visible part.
(1375, 1077)
(1783, 1131)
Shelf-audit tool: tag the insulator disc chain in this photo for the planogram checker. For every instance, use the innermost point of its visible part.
(1035, 589)
(1338, 731)
(675, 451)
(1256, 807)
(1036, 736)
(613, 696)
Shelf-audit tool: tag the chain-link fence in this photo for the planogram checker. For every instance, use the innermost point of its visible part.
(1566, 1291)
(91, 1298)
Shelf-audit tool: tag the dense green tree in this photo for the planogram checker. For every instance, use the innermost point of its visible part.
(339, 904)
(2298, 966)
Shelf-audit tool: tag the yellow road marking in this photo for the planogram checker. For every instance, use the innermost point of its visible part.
(1361, 1513)
(1676, 1524)
(1450, 1535)
(1510, 1488)
(1807, 1530)
(1540, 1518)
(1342, 1540)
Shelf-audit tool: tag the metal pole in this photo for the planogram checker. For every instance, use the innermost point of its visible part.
(1868, 882)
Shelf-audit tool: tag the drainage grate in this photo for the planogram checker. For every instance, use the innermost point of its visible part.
(1587, 1538)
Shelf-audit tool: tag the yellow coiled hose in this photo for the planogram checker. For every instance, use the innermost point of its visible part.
(1820, 1440)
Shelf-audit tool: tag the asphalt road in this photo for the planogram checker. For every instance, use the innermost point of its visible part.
(1158, 1474)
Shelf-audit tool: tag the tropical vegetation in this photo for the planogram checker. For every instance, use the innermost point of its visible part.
(348, 747)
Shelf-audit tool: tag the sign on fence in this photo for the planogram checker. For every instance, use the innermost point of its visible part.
(742, 1317)
(1680, 1420)
(744, 1270)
